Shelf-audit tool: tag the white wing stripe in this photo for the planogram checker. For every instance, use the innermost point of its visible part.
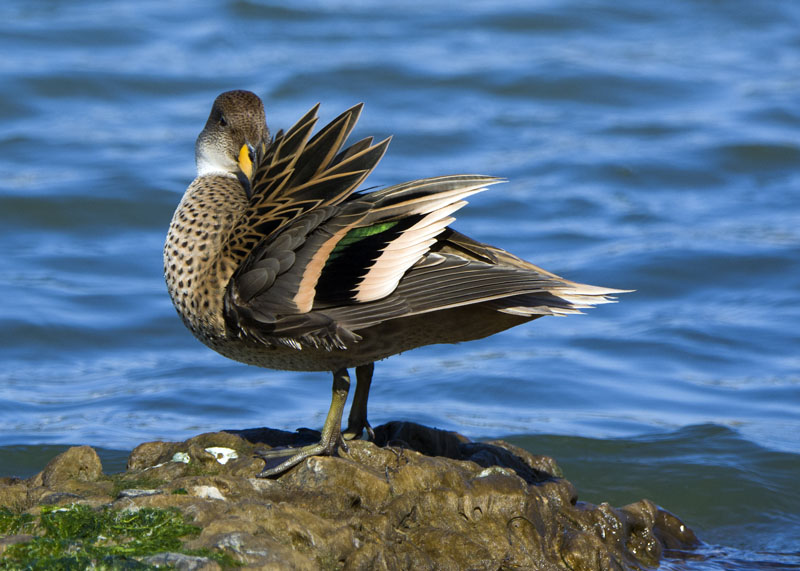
(403, 252)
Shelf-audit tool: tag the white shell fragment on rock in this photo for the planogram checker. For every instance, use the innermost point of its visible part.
(491, 470)
(181, 457)
(208, 492)
(222, 454)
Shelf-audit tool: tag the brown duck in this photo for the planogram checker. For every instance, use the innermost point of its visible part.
(274, 259)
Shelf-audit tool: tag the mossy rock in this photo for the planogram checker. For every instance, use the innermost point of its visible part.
(416, 498)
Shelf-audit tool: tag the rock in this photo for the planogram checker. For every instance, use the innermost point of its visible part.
(263, 552)
(137, 493)
(182, 562)
(149, 454)
(416, 498)
(169, 460)
(75, 474)
(14, 494)
(79, 463)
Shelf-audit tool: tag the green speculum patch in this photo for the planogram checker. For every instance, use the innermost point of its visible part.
(358, 234)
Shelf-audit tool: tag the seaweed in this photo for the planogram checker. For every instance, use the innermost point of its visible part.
(80, 537)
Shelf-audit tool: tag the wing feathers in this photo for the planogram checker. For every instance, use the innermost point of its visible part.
(353, 149)
(322, 148)
(317, 261)
(403, 252)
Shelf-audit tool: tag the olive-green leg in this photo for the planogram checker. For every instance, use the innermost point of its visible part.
(331, 432)
(357, 421)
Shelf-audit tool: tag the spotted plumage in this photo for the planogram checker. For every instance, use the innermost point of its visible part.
(274, 258)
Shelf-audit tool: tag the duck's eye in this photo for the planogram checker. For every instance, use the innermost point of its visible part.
(222, 121)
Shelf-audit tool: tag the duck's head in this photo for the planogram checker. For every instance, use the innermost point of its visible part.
(235, 131)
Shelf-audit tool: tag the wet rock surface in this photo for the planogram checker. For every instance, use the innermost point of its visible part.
(416, 498)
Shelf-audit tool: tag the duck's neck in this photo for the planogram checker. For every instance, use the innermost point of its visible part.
(195, 266)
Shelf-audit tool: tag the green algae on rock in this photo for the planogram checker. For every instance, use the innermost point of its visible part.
(80, 537)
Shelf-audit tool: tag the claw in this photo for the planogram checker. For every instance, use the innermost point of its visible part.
(275, 467)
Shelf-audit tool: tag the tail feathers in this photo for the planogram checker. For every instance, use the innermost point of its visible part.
(557, 301)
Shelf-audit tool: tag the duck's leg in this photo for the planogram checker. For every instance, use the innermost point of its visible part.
(357, 421)
(331, 433)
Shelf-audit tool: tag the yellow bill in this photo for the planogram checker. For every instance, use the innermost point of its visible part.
(245, 160)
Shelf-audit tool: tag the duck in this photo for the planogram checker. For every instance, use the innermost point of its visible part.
(274, 257)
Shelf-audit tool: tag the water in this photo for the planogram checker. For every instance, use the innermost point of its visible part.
(651, 146)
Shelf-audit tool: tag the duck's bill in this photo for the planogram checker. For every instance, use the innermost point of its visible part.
(246, 156)
(245, 162)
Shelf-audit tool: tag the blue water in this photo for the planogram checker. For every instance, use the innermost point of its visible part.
(652, 146)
